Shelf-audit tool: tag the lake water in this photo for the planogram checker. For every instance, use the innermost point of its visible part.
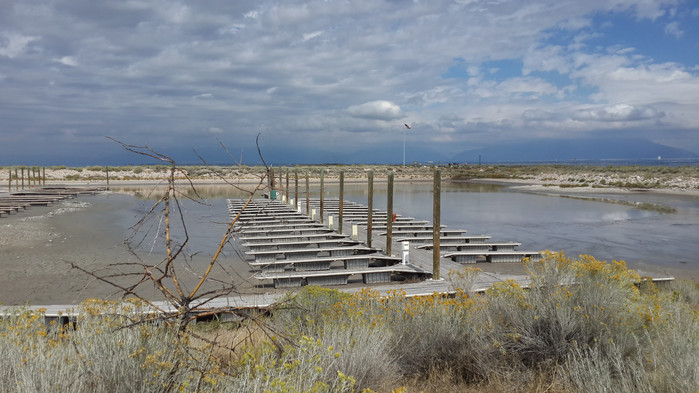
(645, 230)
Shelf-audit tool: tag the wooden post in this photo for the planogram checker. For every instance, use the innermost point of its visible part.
(389, 215)
(281, 185)
(370, 212)
(436, 229)
(23, 178)
(322, 192)
(9, 181)
(286, 190)
(16, 180)
(106, 169)
(296, 189)
(342, 199)
(308, 196)
(44, 175)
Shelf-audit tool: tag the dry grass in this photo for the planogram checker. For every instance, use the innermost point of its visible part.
(597, 333)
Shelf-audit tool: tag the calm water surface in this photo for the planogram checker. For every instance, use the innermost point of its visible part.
(642, 234)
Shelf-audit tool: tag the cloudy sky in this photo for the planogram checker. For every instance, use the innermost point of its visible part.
(341, 75)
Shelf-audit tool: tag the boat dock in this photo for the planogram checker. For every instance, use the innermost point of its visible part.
(20, 201)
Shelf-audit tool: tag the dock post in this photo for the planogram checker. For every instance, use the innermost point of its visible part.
(44, 176)
(436, 229)
(23, 178)
(286, 190)
(389, 215)
(9, 180)
(308, 196)
(16, 180)
(106, 169)
(342, 199)
(322, 192)
(296, 189)
(406, 252)
(270, 178)
(370, 211)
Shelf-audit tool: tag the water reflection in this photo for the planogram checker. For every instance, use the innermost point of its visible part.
(204, 191)
(604, 227)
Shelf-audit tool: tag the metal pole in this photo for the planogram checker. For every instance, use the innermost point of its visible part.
(389, 215)
(342, 196)
(436, 229)
(403, 147)
(370, 212)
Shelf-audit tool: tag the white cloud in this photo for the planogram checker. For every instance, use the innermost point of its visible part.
(310, 36)
(68, 61)
(378, 110)
(673, 29)
(618, 112)
(14, 44)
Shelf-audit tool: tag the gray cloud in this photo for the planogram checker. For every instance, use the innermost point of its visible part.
(172, 73)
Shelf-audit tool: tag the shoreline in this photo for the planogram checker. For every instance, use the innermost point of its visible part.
(36, 245)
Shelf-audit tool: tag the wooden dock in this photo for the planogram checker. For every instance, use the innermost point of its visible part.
(20, 201)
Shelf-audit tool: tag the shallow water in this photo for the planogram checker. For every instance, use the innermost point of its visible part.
(636, 231)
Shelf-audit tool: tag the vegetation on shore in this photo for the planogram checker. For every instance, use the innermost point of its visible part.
(605, 330)
(564, 176)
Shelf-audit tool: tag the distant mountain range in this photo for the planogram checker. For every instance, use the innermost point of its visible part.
(574, 149)
(542, 150)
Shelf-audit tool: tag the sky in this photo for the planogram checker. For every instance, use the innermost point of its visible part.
(340, 76)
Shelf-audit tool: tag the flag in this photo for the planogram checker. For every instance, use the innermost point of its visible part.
(407, 126)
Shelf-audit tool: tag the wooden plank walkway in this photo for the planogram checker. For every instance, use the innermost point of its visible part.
(23, 200)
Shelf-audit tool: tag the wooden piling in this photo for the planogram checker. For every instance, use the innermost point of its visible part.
(296, 189)
(106, 169)
(389, 215)
(436, 223)
(370, 212)
(286, 189)
(23, 178)
(308, 196)
(9, 180)
(322, 194)
(342, 198)
(16, 180)
(43, 177)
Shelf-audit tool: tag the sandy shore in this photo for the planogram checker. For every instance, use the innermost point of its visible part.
(38, 246)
